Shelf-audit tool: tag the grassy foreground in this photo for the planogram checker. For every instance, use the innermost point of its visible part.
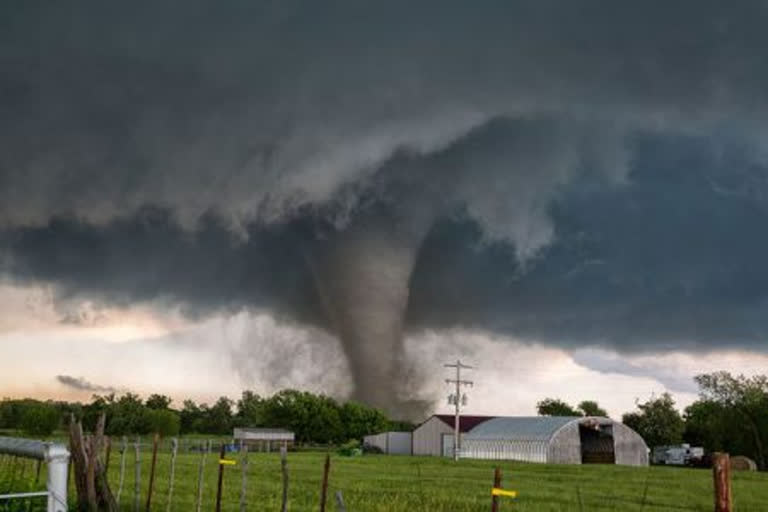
(399, 484)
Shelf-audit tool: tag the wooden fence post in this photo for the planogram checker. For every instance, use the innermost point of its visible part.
(324, 491)
(220, 483)
(496, 485)
(199, 503)
(174, 449)
(155, 441)
(284, 467)
(721, 472)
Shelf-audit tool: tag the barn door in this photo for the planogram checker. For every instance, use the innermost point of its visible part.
(447, 443)
(597, 446)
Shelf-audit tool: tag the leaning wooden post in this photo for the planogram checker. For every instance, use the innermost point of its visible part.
(199, 503)
(155, 441)
(244, 467)
(137, 476)
(496, 485)
(174, 450)
(324, 491)
(284, 467)
(220, 483)
(721, 472)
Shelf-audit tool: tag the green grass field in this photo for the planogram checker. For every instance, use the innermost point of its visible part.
(391, 483)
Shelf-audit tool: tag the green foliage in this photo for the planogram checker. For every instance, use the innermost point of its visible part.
(400, 426)
(158, 402)
(657, 421)
(250, 410)
(219, 418)
(591, 408)
(360, 420)
(745, 424)
(191, 418)
(163, 421)
(555, 407)
(39, 418)
(350, 449)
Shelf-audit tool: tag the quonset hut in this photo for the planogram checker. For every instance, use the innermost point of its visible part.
(557, 440)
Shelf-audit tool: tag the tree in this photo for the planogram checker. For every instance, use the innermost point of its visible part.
(360, 420)
(591, 408)
(250, 410)
(313, 418)
(39, 418)
(218, 419)
(657, 421)
(747, 398)
(158, 402)
(555, 407)
(191, 418)
(163, 421)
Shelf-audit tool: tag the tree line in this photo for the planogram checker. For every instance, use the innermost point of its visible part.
(731, 415)
(314, 418)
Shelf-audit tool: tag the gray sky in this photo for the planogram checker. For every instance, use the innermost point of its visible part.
(576, 182)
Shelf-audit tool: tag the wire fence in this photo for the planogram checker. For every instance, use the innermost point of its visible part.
(22, 482)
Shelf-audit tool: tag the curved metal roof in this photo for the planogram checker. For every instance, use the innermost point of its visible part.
(520, 427)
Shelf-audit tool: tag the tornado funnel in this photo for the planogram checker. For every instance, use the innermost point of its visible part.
(362, 276)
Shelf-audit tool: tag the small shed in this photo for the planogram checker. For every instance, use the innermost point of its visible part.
(264, 439)
(556, 439)
(435, 435)
(391, 443)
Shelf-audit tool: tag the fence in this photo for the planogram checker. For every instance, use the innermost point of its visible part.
(56, 458)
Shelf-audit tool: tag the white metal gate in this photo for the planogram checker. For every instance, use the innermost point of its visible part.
(56, 457)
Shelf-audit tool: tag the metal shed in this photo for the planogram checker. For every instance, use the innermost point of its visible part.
(435, 435)
(264, 438)
(556, 439)
(391, 443)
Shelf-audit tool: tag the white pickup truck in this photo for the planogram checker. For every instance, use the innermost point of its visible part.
(676, 455)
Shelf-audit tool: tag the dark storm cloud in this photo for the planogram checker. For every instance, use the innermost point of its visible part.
(81, 384)
(574, 172)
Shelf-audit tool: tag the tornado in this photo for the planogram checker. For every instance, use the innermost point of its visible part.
(362, 276)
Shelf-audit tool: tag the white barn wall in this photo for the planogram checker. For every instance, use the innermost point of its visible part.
(392, 443)
(428, 437)
(377, 440)
(399, 443)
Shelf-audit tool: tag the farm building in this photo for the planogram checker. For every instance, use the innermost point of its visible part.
(435, 435)
(556, 439)
(392, 443)
(264, 439)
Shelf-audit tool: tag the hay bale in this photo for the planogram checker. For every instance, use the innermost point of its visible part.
(742, 463)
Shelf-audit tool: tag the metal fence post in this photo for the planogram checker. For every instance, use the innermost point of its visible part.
(57, 458)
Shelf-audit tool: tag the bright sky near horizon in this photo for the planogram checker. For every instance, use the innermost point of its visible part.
(143, 352)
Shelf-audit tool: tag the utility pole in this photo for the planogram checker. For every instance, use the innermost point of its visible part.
(457, 400)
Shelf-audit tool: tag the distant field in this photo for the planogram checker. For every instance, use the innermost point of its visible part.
(390, 483)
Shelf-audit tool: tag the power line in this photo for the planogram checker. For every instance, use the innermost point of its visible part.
(458, 400)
